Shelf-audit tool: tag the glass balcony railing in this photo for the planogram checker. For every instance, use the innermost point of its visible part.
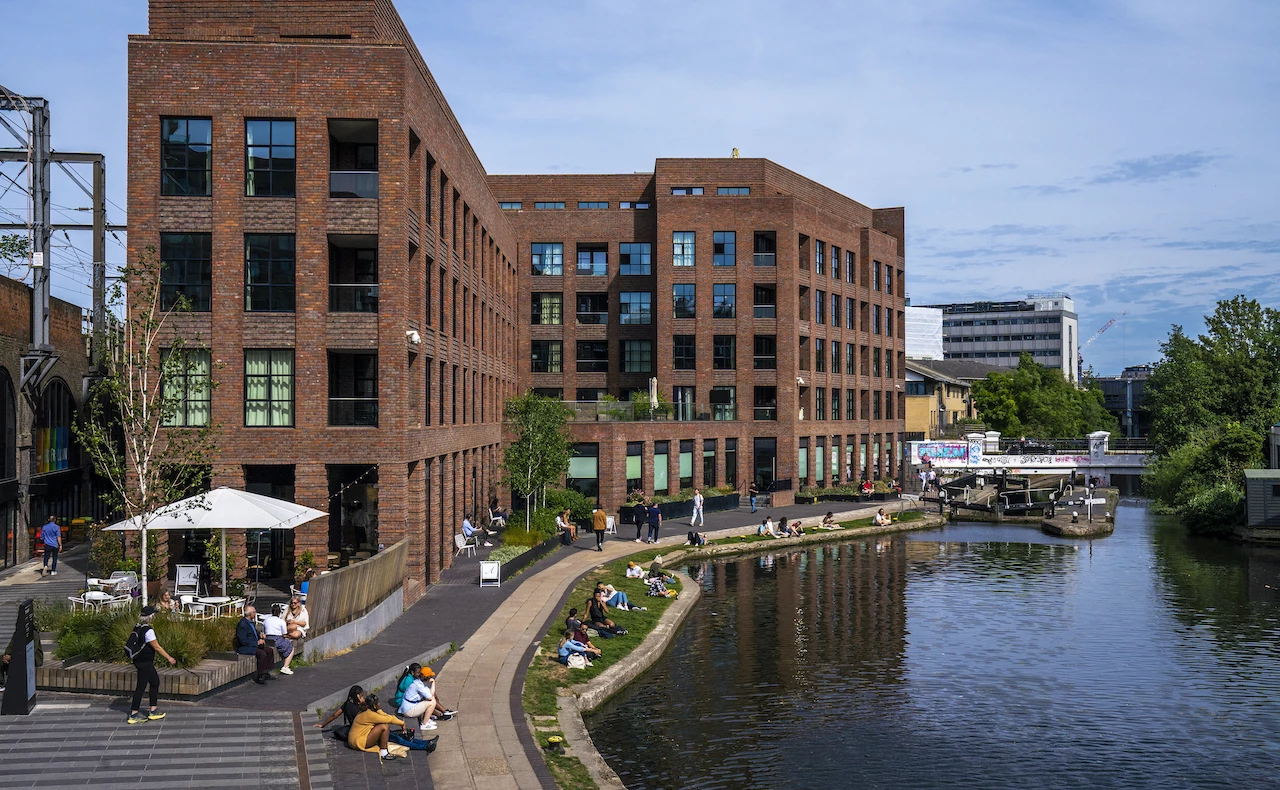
(353, 298)
(628, 411)
(353, 183)
(765, 259)
(593, 318)
(353, 411)
(766, 311)
(766, 412)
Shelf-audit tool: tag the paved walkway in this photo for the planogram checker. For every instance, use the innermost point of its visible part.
(484, 748)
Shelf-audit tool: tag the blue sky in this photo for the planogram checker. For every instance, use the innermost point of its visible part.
(1124, 152)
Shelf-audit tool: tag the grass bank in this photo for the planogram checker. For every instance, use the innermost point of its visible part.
(905, 516)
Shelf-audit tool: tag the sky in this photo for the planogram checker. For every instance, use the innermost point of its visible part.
(1123, 151)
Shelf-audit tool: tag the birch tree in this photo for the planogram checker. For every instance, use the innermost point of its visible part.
(147, 427)
(539, 456)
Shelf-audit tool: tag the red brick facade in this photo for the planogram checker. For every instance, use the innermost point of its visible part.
(453, 271)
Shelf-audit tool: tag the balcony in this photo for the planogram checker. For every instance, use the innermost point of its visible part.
(353, 298)
(765, 258)
(362, 412)
(353, 183)
(593, 319)
(765, 310)
(628, 411)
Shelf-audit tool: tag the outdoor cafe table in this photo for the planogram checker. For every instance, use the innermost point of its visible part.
(97, 599)
(216, 601)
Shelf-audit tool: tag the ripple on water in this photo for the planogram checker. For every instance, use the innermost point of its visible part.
(972, 657)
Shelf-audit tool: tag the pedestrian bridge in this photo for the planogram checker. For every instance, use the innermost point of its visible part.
(987, 452)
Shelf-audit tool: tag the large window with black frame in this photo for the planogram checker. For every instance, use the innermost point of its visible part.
(186, 156)
(270, 158)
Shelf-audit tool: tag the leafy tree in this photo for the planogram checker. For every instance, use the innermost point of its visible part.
(13, 248)
(539, 456)
(1039, 401)
(128, 430)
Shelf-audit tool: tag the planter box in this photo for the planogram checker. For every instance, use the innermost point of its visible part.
(684, 508)
(511, 566)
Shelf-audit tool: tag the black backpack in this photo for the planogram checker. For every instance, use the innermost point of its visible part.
(136, 646)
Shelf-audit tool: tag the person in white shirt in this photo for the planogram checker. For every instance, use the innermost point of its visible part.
(698, 518)
(881, 519)
(275, 629)
(418, 701)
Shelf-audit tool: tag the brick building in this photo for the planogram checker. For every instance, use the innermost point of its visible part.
(309, 190)
(367, 290)
(768, 307)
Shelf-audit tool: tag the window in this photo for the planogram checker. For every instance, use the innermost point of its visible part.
(635, 466)
(186, 270)
(593, 356)
(848, 360)
(875, 362)
(633, 258)
(835, 309)
(661, 467)
(802, 361)
(683, 354)
(766, 403)
(835, 262)
(584, 470)
(637, 356)
(766, 352)
(353, 158)
(875, 281)
(510, 205)
(820, 307)
(708, 463)
(819, 263)
(683, 399)
(819, 355)
(546, 356)
(733, 190)
(875, 318)
(917, 388)
(888, 279)
(848, 266)
(548, 309)
(593, 260)
(682, 244)
(765, 301)
(875, 406)
(686, 190)
(724, 244)
(731, 463)
(269, 158)
(549, 204)
(353, 274)
(547, 258)
(555, 393)
(850, 405)
(802, 461)
(888, 323)
(725, 300)
(268, 387)
(724, 403)
(593, 308)
(269, 273)
(820, 404)
(835, 404)
(590, 394)
(820, 453)
(635, 307)
(686, 463)
(888, 364)
(682, 300)
(643, 204)
(725, 352)
(835, 357)
(353, 388)
(850, 314)
(586, 204)
(188, 390)
(765, 250)
(186, 156)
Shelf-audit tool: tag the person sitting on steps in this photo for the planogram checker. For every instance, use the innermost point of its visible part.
(371, 730)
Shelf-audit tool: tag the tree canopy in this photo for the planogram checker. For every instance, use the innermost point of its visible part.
(1034, 400)
(539, 456)
(1212, 400)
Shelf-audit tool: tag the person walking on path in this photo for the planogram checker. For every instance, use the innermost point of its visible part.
(753, 492)
(655, 521)
(599, 523)
(250, 643)
(51, 534)
(640, 515)
(145, 662)
(698, 517)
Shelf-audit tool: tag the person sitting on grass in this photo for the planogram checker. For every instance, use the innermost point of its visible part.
(767, 528)
(570, 646)
(880, 519)
(581, 634)
(634, 571)
(655, 570)
(829, 521)
(615, 597)
(792, 530)
(371, 730)
(598, 617)
(697, 539)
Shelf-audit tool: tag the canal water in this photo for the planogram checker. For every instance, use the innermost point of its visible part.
(974, 656)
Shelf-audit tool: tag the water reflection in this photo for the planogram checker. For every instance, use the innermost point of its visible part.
(972, 656)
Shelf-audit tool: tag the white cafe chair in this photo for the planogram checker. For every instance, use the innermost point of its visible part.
(463, 545)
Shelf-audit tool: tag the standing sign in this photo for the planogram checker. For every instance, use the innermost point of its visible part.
(490, 574)
(20, 693)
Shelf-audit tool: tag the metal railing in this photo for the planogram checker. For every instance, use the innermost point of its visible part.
(353, 183)
(628, 411)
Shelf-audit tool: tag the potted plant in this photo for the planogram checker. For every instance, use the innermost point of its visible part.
(306, 562)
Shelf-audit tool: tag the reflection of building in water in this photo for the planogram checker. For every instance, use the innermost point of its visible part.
(826, 609)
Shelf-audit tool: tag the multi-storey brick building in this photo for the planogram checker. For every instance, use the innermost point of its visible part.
(369, 304)
(307, 187)
(768, 307)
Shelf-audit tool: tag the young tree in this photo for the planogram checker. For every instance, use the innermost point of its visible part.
(147, 429)
(539, 456)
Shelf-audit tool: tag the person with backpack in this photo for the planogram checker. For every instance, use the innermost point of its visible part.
(141, 648)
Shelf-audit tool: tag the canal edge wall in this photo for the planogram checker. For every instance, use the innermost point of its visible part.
(587, 697)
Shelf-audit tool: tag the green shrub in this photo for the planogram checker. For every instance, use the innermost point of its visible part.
(1217, 509)
(542, 526)
(51, 615)
(579, 506)
(82, 644)
(507, 552)
(100, 636)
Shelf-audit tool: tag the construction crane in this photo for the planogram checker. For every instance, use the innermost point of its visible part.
(1089, 342)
